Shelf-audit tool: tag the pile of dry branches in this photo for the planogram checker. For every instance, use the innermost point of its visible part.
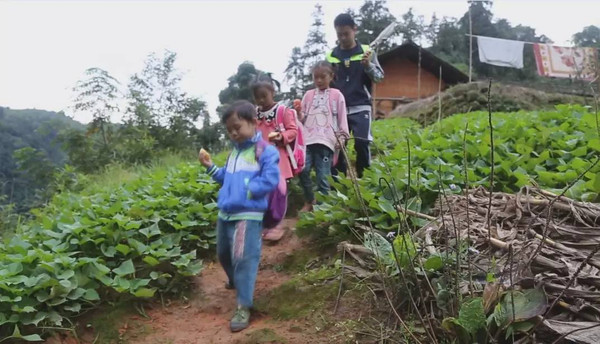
(530, 239)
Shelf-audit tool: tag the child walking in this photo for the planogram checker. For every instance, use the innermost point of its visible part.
(323, 112)
(250, 174)
(280, 132)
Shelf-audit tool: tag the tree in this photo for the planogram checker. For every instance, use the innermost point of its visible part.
(430, 31)
(239, 85)
(157, 104)
(98, 94)
(588, 37)
(373, 16)
(450, 44)
(37, 171)
(295, 73)
(315, 46)
(154, 93)
(412, 27)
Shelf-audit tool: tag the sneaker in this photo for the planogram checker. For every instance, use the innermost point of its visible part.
(274, 234)
(307, 208)
(229, 285)
(240, 320)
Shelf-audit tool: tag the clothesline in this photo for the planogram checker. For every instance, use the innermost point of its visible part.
(526, 42)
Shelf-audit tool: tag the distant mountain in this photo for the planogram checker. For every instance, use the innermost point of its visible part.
(28, 128)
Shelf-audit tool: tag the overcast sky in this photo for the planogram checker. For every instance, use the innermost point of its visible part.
(45, 46)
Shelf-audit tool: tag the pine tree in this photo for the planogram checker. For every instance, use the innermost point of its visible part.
(294, 73)
(315, 46)
(372, 18)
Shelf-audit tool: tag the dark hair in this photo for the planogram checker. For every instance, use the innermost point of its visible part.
(262, 84)
(264, 80)
(244, 110)
(322, 64)
(344, 19)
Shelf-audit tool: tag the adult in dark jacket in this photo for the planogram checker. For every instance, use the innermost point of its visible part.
(356, 69)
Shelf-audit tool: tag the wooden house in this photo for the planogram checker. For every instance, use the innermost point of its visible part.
(407, 79)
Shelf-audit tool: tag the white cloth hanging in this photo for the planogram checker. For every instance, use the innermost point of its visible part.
(500, 52)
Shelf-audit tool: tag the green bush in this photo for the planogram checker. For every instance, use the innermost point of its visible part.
(136, 239)
(549, 148)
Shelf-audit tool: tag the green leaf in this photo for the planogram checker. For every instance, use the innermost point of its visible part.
(108, 251)
(472, 315)
(126, 268)
(518, 327)
(91, 295)
(528, 304)
(30, 338)
(151, 231)
(453, 326)
(151, 261)
(75, 308)
(144, 292)
(103, 269)
(594, 144)
(434, 263)
(138, 283)
(124, 249)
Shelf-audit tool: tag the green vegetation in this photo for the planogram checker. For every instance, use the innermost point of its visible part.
(549, 148)
(34, 134)
(472, 97)
(134, 240)
(311, 290)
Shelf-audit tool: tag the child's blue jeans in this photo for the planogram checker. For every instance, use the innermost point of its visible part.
(238, 248)
(320, 157)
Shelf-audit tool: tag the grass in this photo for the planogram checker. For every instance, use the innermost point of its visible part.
(115, 175)
(312, 292)
(108, 320)
(265, 335)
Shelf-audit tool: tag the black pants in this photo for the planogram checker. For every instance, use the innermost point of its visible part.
(360, 127)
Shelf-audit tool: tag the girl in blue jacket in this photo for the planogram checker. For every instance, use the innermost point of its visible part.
(250, 174)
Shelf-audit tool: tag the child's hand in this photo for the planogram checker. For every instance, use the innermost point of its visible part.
(297, 106)
(275, 136)
(366, 60)
(204, 158)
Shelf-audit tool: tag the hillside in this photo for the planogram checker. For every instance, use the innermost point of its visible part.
(139, 238)
(472, 97)
(37, 129)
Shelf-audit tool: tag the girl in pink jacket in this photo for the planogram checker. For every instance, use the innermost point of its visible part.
(264, 93)
(323, 112)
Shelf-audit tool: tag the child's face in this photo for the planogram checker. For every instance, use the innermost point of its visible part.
(322, 77)
(345, 35)
(263, 98)
(239, 129)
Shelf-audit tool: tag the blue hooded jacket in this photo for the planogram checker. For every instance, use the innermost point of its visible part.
(246, 181)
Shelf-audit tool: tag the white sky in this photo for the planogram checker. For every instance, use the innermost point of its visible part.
(45, 46)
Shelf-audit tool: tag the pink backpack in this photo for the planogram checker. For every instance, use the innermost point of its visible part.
(297, 154)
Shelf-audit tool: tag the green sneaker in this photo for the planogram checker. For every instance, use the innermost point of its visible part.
(240, 320)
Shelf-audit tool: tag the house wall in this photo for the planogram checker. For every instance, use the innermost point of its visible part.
(401, 80)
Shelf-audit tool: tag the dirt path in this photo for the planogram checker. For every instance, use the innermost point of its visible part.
(205, 318)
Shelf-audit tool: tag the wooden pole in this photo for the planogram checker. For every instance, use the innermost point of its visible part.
(419, 76)
(440, 98)
(470, 42)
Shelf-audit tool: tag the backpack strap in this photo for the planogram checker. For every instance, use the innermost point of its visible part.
(279, 116)
(261, 145)
(310, 97)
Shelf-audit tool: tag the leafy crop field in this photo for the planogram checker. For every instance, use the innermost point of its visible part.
(547, 148)
(137, 239)
(147, 235)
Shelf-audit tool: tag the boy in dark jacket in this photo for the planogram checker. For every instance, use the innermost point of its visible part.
(356, 69)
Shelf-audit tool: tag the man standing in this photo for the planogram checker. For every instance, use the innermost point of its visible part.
(356, 69)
